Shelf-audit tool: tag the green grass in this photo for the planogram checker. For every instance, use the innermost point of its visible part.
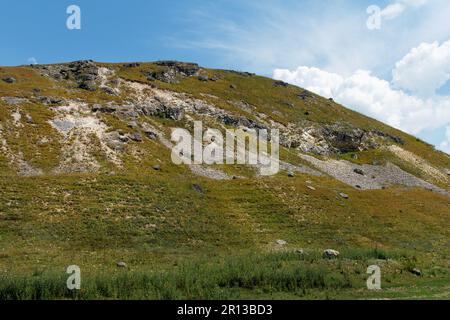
(270, 275)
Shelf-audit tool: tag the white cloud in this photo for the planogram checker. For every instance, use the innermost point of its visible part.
(372, 96)
(445, 145)
(424, 69)
(318, 81)
(394, 10)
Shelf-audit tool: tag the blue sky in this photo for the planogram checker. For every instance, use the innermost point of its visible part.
(315, 44)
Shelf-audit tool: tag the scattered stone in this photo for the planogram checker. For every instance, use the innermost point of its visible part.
(9, 80)
(281, 242)
(109, 90)
(107, 108)
(241, 73)
(291, 174)
(132, 65)
(14, 100)
(233, 86)
(151, 135)
(29, 119)
(197, 188)
(280, 84)
(123, 138)
(355, 156)
(42, 141)
(331, 254)
(304, 95)
(416, 272)
(88, 85)
(311, 188)
(136, 137)
(121, 264)
(203, 78)
(358, 171)
(157, 167)
(343, 195)
(133, 125)
(49, 100)
(358, 186)
(300, 251)
(447, 172)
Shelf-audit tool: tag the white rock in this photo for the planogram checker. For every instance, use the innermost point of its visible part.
(330, 253)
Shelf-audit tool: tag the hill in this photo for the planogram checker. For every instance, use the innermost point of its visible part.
(87, 179)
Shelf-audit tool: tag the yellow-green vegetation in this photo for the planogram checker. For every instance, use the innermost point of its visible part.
(218, 239)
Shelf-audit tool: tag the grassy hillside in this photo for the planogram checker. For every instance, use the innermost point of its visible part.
(182, 235)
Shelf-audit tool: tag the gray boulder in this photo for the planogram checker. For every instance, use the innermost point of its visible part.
(137, 137)
(198, 188)
(416, 272)
(330, 254)
(9, 80)
(280, 84)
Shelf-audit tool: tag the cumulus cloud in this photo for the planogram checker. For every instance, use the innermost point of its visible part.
(408, 103)
(372, 96)
(424, 69)
(318, 81)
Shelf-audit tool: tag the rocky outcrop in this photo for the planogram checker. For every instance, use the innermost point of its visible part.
(173, 71)
(85, 73)
(333, 138)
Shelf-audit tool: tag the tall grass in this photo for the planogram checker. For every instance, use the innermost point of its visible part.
(374, 253)
(226, 279)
